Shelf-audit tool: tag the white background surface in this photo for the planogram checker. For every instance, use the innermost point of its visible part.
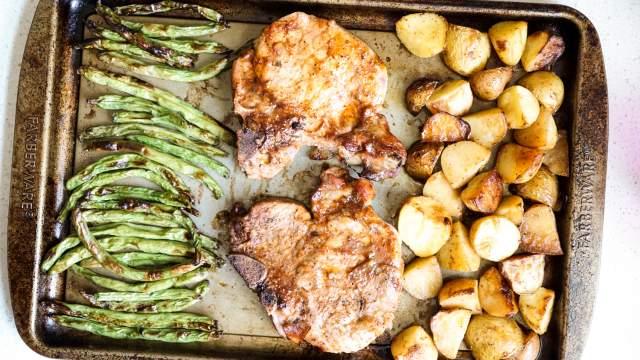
(616, 316)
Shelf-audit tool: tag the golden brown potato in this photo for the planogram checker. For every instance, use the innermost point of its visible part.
(531, 349)
(488, 127)
(520, 107)
(422, 278)
(457, 254)
(536, 309)
(542, 134)
(466, 50)
(423, 34)
(453, 97)
(542, 188)
(448, 327)
(423, 225)
(539, 232)
(508, 39)
(493, 338)
(542, 49)
(462, 161)
(437, 186)
(460, 294)
(489, 84)
(443, 127)
(484, 192)
(517, 164)
(422, 158)
(494, 238)
(511, 207)
(524, 272)
(413, 343)
(418, 94)
(547, 87)
(556, 159)
(496, 296)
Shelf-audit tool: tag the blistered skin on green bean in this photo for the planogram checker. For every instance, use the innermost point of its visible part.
(127, 193)
(128, 205)
(123, 47)
(190, 46)
(164, 6)
(143, 231)
(167, 294)
(130, 217)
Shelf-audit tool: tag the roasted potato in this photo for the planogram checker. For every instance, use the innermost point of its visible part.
(496, 296)
(457, 253)
(547, 87)
(556, 159)
(531, 349)
(512, 208)
(437, 186)
(423, 225)
(508, 39)
(483, 193)
(413, 343)
(494, 238)
(493, 338)
(422, 158)
(488, 127)
(543, 48)
(462, 161)
(460, 294)
(423, 34)
(422, 278)
(520, 106)
(453, 97)
(443, 127)
(524, 272)
(448, 327)
(489, 84)
(517, 164)
(539, 232)
(542, 134)
(542, 188)
(536, 309)
(418, 94)
(466, 50)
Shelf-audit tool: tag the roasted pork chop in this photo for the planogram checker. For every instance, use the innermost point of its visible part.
(308, 81)
(330, 277)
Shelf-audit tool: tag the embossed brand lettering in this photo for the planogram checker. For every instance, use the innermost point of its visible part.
(30, 129)
(585, 171)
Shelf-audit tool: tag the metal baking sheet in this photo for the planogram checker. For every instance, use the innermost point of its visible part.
(249, 332)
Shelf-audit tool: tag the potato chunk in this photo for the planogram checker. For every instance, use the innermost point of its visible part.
(531, 349)
(437, 186)
(520, 106)
(423, 34)
(423, 225)
(460, 294)
(539, 232)
(443, 127)
(542, 134)
(418, 94)
(422, 158)
(483, 193)
(547, 87)
(489, 84)
(457, 253)
(494, 238)
(413, 343)
(543, 48)
(517, 164)
(496, 296)
(542, 188)
(556, 159)
(493, 338)
(536, 309)
(511, 207)
(448, 327)
(422, 278)
(488, 127)
(462, 161)
(524, 272)
(508, 39)
(453, 97)
(466, 50)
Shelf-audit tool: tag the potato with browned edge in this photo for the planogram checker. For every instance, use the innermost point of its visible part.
(448, 327)
(542, 134)
(531, 349)
(496, 296)
(547, 87)
(453, 97)
(443, 127)
(438, 187)
(536, 309)
(460, 294)
(509, 39)
(520, 106)
(423, 34)
(484, 192)
(418, 94)
(494, 238)
(556, 159)
(466, 50)
(493, 338)
(457, 253)
(517, 164)
(413, 343)
(462, 161)
(525, 273)
(543, 48)
(539, 232)
(542, 188)
(422, 278)
(422, 158)
(423, 225)
(488, 127)
(489, 84)
(512, 208)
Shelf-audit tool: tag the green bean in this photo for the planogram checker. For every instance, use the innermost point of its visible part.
(123, 47)
(129, 103)
(130, 217)
(189, 46)
(164, 6)
(129, 193)
(128, 205)
(56, 252)
(142, 231)
(167, 294)
(140, 260)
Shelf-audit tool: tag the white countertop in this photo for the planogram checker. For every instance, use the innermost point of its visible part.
(613, 330)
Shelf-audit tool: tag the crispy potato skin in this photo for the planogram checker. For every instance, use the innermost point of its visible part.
(460, 294)
(509, 39)
(511, 207)
(536, 309)
(457, 253)
(542, 188)
(423, 34)
(543, 48)
(462, 161)
(454, 97)
(539, 232)
(422, 278)
(492, 338)
(422, 158)
(542, 134)
(484, 192)
(448, 327)
(413, 343)
(423, 225)
(518, 164)
(418, 94)
(438, 187)
(557, 159)
(496, 296)
(525, 273)
(466, 50)
(489, 84)
(443, 127)
(547, 87)
(488, 127)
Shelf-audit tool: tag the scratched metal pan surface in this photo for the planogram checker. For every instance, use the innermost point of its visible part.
(51, 110)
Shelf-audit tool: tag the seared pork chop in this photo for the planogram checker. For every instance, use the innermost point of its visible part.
(308, 81)
(330, 277)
